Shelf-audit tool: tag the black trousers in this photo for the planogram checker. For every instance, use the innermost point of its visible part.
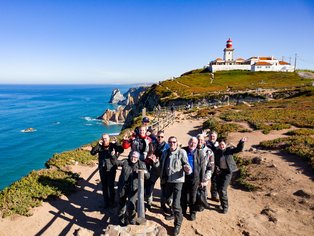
(188, 196)
(213, 186)
(223, 180)
(107, 181)
(127, 206)
(149, 189)
(175, 189)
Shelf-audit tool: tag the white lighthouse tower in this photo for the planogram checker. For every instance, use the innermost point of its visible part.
(228, 52)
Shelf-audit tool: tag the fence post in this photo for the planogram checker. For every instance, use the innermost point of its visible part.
(144, 112)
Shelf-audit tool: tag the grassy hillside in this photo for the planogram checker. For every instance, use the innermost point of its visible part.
(197, 83)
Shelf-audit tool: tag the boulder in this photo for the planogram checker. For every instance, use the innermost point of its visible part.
(150, 228)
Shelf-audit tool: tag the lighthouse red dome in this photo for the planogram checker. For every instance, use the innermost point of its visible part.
(229, 43)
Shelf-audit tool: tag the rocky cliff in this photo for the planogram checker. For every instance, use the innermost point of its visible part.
(130, 97)
(116, 96)
(116, 116)
(126, 100)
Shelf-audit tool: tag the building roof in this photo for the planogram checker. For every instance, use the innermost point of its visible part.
(219, 59)
(240, 59)
(283, 63)
(266, 58)
(262, 63)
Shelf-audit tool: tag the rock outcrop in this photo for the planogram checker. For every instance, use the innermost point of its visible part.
(116, 116)
(150, 228)
(116, 96)
(127, 100)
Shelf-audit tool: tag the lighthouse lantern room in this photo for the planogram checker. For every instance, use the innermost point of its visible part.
(228, 51)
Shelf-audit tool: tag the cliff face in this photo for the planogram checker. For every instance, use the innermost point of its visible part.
(126, 100)
(117, 116)
(149, 100)
(116, 96)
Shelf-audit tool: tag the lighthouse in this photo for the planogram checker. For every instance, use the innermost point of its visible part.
(228, 52)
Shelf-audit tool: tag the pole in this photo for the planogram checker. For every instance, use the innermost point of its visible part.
(144, 112)
(295, 62)
(140, 198)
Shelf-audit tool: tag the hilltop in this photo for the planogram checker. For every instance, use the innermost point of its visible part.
(197, 87)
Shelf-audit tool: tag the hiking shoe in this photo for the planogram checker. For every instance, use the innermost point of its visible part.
(132, 222)
(170, 217)
(223, 210)
(215, 199)
(193, 216)
(166, 210)
(176, 230)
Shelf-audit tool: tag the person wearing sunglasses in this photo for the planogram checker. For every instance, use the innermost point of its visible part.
(159, 147)
(174, 166)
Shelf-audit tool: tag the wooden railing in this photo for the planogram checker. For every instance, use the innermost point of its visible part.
(164, 118)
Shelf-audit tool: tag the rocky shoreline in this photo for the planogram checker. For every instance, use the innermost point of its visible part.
(125, 102)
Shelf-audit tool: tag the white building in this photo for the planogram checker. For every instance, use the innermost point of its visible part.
(251, 64)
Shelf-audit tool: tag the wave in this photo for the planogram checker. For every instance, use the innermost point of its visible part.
(113, 134)
(87, 118)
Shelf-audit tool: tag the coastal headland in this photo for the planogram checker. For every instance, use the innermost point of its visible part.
(277, 197)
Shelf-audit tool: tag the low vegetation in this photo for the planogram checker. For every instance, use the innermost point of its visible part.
(276, 114)
(222, 128)
(243, 174)
(31, 190)
(40, 185)
(197, 83)
(64, 159)
(302, 146)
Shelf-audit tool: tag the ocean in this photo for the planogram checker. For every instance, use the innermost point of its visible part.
(62, 116)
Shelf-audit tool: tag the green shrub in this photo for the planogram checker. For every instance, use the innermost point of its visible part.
(276, 114)
(300, 132)
(302, 146)
(221, 128)
(64, 159)
(31, 190)
(243, 174)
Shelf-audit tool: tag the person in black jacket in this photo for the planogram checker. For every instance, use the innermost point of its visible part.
(194, 180)
(224, 167)
(128, 186)
(158, 148)
(213, 145)
(107, 150)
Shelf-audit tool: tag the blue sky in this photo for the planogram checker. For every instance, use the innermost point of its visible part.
(99, 42)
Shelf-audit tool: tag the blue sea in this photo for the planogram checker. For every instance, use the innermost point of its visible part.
(62, 115)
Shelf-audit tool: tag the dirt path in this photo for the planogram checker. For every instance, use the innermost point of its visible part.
(277, 208)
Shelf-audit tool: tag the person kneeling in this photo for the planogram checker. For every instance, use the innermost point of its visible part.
(128, 186)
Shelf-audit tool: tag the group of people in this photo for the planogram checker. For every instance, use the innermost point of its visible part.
(184, 172)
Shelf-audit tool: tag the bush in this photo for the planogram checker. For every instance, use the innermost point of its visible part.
(277, 114)
(300, 132)
(64, 159)
(243, 174)
(31, 190)
(221, 128)
(302, 146)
